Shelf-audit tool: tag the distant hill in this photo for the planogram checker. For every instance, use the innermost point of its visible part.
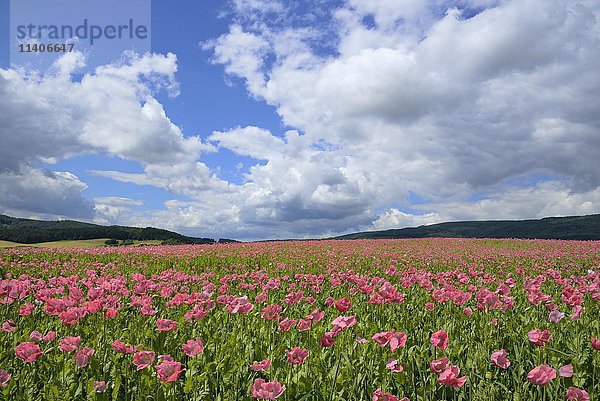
(28, 231)
(573, 228)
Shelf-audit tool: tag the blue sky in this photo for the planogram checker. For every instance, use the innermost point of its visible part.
(258, 119)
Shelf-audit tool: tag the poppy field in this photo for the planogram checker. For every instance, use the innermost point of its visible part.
(385, 320)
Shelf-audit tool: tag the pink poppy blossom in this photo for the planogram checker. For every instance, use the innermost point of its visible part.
(315, 316)
(100, 386)
(35, 336)
(69, 344)
(120, 347)
(28, 351)
(449, 377)
(439, 365)
(82, 357)
(394, 366)
(143, 359)
(596, 343)
(379, 395)
(169, 371)
(271, 312)
(193, 347)
(286, 324)
(541, 375)
(398, 340)
(304, 324)
(327, 340)
(9, 326)
(566, 371)
(539, 337)
(296, 355)
(110, 313)
(382, 338)
(429, 306)
(361, 340)
(576, 394)
(264, 390)
(468, 311)
(4, 378)
(166, 325)
(26, 310)
(166, 358)
(261, 366)
(494, 322)
(49, 336)
(577, 312)
(499, 359)
(555, 316)
(343, 304)
(342, 322)
(439, 339)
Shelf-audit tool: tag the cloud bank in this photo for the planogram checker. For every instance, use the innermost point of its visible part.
(399, 113)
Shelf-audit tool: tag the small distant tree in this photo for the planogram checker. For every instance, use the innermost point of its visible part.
(111, 242)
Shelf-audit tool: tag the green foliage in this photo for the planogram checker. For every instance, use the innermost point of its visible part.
(27, 231)
(567, 228)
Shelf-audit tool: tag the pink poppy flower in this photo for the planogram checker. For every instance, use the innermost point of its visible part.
(342, 322)
(343, 304)
(449, 377)
(315, 316)
(82, 358)
(304, 324)
(100, 386)
(379, 395)
(555, 316)
(499, 359)
(166, 325)
(429, 306)
(539, 337)
(577, 312)
(169, 371)
(167, 357)
(193, 347)
(261, 366)
(261, 298)
(468, 311)
(9, 326)
(110, 313)
(566, 371)
(596, 343)
(495, 322)
(69, 344)
(286, 324)
(296, 356)
(576, 394)
(28, 351)
(541, 375)
(382, 338)
(49, 336)
(398, 340)
(120, 347)
(327, 340)
(394, 366)
(271, 312)
(439, 365)
(361, 340)
(143, 359)
(4, 378)
(35, 336)
(26, 310)
(264, 390)
(439, 339)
